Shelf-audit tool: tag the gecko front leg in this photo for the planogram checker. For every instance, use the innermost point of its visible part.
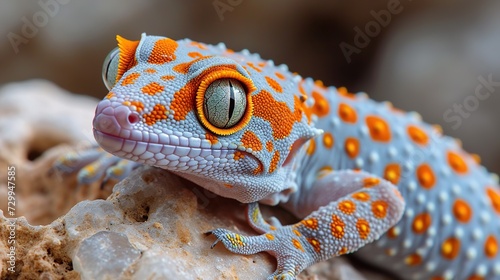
(368, 207)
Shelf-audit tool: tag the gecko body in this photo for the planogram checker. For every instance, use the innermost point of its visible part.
(344, 164)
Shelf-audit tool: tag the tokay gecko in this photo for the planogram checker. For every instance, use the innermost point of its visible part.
(361, 175)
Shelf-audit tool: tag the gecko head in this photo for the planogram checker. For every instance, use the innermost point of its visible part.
(200, 111)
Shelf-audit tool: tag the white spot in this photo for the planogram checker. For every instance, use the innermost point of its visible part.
(420, 198)
(430, 207)
(407, 243)
(473, 186)
(359, 162)
(431, 231)
(412, 186)
(445, 171)
(471, 253)
(481, 270)
(283, 67)
(443, 196)
(430, 266)
(477, 234)
(364, 130)
(485, 217)
(459, 232)
(447, 219)
(393, 152)
(448, 274)
(391, 252)
(496, 269)
(455, 189)
(409, 213)
(373, 157)
(429, 242)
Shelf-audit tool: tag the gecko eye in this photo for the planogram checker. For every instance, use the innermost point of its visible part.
(110, 68)
(224, 102)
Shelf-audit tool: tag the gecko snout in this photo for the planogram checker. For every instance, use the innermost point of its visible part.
(113, 118)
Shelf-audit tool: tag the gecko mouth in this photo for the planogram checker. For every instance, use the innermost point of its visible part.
(178, 153)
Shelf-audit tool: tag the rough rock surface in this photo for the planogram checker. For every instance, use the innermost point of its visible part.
(151, 227)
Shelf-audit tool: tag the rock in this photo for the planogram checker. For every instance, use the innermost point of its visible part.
(151, 227)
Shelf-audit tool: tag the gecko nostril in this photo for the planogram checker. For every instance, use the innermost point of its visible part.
(133, 118)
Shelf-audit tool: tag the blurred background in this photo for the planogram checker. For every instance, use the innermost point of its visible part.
(427, 56)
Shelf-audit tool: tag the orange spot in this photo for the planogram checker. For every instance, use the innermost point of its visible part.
(363, 228)
(269, 236)
(462, 211)
(199, 45)
(351, 147)
(426, 176)
(195, 54)
(167, 77)
(152, 88)
(342, 251)
(476, 158)
(110, 95)
(228, 186)
(297, 244)
(379, 209)
(347, 207)
(150, 71)
(254, 67)
(269, 146)
(212, 138)
(475, 277)
(392, 173)
(183, 68)
(361, 196)
(259, 169)
(491, 247)
(276, 113)
(392, 233)
(418, 135)
(261, 64)
(421, 223)
(321, 106)
(438, 129)
(370, 182)
(163, 51)
(138, 105)
(311, 148)
(437, 278)
(337, 227)
(315, 244)
(343, 91)
(328, 140)
(379, 129)
(238, 155)
(274, 84)
(323, 171)
(279, 75)
(413, 259)
(274, 161)
(250, 140)
(494, 196)
(311, 223)
(457, 163)
(347, 113)
(159, 113)
(130, 79)
(450, 248)
(296, 232)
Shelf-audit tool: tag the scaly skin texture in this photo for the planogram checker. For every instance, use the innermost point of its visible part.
(246, 129)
